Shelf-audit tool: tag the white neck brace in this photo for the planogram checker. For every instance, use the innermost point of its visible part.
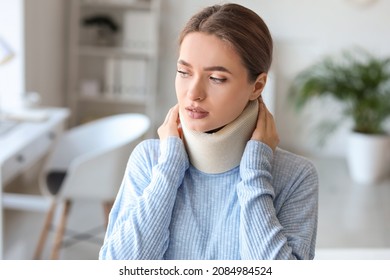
(221, 151)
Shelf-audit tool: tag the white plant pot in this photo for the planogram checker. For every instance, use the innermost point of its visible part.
(368, 157)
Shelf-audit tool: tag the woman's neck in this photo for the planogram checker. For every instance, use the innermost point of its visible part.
(222, 150)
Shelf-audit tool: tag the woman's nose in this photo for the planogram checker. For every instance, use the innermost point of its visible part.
(196, 91)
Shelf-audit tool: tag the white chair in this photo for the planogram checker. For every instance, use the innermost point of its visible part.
(88, 162)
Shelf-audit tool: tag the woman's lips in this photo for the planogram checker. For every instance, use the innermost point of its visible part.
(196, 112)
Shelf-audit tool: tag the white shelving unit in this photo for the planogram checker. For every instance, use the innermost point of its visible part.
(113, 53)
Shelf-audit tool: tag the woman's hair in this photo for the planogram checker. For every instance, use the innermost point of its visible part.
(241, 28)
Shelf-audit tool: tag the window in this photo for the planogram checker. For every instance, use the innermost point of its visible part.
(12, 85)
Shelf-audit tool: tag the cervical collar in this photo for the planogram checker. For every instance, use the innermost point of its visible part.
(221, 151)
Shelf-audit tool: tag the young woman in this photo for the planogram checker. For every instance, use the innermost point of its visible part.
(215, 185)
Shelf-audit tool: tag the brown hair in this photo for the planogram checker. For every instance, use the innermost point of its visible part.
(240, 27)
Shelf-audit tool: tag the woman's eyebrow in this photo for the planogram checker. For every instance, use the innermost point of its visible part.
(210, 68)
(182, 62)
(217, 68)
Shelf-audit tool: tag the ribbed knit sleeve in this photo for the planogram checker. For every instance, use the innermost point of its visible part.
(265, 234)
(139, 220)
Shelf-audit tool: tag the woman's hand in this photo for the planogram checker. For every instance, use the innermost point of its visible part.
(265, 130)
(171, 125)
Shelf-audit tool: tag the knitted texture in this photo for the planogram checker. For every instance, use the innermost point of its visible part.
(266, 208)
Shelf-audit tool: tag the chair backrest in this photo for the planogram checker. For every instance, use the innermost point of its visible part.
(92, 157)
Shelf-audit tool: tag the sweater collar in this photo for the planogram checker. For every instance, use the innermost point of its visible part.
(221, 151)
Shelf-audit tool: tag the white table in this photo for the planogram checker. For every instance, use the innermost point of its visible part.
(23, 146)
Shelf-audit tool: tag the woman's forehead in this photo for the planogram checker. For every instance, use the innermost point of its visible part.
(206, 49)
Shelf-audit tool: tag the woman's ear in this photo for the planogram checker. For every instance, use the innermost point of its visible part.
(259, 85)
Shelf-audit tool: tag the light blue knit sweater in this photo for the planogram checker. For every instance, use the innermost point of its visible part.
(266, 208)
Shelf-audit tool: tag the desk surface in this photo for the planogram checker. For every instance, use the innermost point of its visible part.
(351, 215)
(25, 132)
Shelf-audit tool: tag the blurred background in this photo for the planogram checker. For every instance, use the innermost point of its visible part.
(103, 57)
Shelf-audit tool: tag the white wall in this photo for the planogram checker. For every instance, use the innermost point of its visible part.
(46, 44)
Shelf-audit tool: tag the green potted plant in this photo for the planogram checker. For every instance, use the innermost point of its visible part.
(360, 82)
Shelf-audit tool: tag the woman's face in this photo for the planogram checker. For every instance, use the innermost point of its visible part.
(212, 85)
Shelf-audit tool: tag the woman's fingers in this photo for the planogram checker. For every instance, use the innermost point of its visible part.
(265, 130)
(170, 124)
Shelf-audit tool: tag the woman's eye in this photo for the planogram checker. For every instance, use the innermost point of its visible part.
(218, 80)
(182, 73)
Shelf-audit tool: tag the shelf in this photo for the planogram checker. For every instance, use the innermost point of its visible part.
(109, 69)
(103, 98)
(115, 52)
(118, 4)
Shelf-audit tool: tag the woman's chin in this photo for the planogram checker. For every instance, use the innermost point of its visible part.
(201, 125)
(204, 129)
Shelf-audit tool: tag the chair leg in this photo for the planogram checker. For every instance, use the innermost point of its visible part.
(107, 209)
(60, 231)
(45, 231)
